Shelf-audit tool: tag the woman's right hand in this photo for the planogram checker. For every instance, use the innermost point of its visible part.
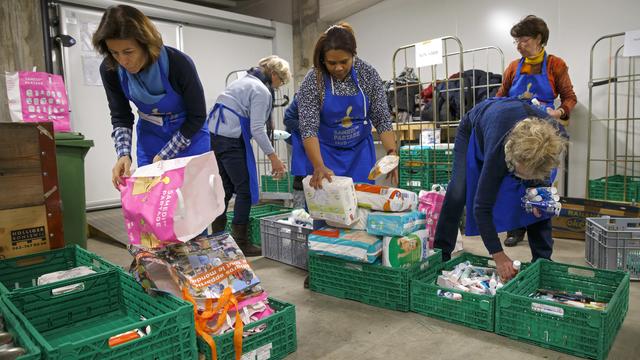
(319, 174)
(504, 265)
(121, 168)
(277, 167)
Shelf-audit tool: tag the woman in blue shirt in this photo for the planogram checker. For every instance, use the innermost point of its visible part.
(239, 114)
(161, 81)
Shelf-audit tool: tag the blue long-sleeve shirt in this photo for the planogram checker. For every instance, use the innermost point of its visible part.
(291, 119)
(492, 120)
(250, 98)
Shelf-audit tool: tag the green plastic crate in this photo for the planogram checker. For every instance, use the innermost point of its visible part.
(79, 324)
(423, 177)
(616, 189)
(581, 332)
(269, 184)
(371, 284)
(258, 212)
(23, 271)
(20, 337)
(278, 339)
(473, 310)
(425, 155)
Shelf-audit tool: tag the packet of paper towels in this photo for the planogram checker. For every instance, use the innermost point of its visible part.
(335, 202)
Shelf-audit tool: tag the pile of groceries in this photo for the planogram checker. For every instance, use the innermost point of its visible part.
(472, 279)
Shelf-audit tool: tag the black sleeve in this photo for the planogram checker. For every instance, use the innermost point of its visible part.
(121, 114)
(185, 81)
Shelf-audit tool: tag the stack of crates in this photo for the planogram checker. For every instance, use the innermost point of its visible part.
(258, 212)
(613, 244)
(284, 185)
(76, 318)
(79, 318)
(615, 188)
(287, 243)
(371, 284)
(423, 166)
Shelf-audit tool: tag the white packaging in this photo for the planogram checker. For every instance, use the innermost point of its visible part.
(335, 202)
(362, 217)
(385, 198)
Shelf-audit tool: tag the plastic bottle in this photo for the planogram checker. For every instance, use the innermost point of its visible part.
(516, 265)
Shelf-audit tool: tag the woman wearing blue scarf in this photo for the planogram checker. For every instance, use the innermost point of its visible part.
(240, 114)
(163, 84)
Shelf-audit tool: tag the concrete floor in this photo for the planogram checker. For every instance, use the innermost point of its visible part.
(332, 328)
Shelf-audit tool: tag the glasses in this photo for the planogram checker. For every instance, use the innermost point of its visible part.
(523, 40)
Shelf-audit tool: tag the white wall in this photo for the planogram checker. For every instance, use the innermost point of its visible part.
(574, 26)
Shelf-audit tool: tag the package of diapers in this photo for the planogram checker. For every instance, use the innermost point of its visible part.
(395, 224)
(362, 215)
(404, 251)
(385, 198)
(335, 202)
(354, 245)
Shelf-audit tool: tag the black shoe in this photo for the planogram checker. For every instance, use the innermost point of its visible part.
(514, 237)
(241, 236)
(219, 224)
(306, 282)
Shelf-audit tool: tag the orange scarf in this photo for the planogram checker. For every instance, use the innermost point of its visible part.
(528, 61)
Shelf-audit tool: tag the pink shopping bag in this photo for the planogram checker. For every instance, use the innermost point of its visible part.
(172, 201)
(38, 96)
(430, 203)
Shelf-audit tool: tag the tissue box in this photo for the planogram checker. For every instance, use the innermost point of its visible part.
(336, 201)
(354, 245)
(384, 198)
(404, 251)
(395, 224)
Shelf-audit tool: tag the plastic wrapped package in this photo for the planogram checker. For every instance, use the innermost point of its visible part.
(404, 251)
(336, 201)
(395, 224)
(354, 245)
(385, 198)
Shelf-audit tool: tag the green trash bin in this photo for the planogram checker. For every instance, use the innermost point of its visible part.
(71, 149)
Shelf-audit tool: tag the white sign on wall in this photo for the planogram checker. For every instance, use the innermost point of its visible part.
(631, 43)
(429, 52)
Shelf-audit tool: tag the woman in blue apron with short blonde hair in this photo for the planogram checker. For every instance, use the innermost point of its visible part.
(163, 84)
(339, 101)
(240, 114)
(502, 146)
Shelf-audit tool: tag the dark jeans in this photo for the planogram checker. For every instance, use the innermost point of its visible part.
(232, 165)
(540, 240)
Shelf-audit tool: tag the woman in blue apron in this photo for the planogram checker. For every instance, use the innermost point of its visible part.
(163, 84)
(502, 146)
(240, 114)
(339, 100)
(537, 77)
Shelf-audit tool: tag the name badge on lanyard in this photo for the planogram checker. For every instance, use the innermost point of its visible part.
(156, 120)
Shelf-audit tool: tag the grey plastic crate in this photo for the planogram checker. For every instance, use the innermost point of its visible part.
(284, 242)
(613, 244)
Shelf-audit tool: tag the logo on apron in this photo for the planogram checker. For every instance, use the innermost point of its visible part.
(527, 94)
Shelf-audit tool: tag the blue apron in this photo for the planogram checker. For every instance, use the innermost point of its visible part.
(508, 213)
(533, 86)
(245, 127)
(344, 134)
(159, 122)
(298, 155)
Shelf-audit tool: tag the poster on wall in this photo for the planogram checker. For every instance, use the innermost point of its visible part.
(631, 43)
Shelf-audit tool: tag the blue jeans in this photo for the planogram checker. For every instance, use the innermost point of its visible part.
(540, 240)
(232, 166)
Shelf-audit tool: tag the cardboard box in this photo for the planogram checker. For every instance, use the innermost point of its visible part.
(571, 222)
(23, 231)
